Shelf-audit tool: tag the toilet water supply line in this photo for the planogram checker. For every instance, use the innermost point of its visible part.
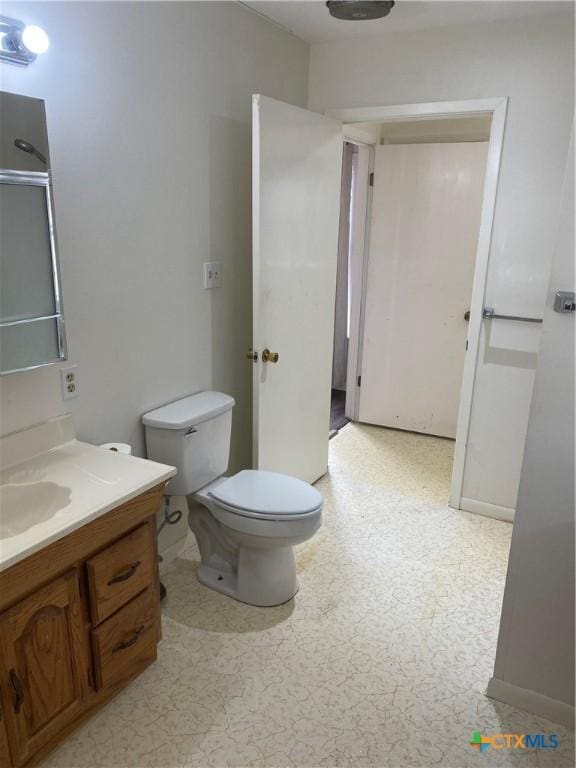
(170, 518)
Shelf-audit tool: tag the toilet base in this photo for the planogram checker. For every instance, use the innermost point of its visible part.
(250, 569)
(263, 577)
(217, 580)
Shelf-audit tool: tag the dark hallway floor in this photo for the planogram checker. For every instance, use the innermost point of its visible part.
(337, 417)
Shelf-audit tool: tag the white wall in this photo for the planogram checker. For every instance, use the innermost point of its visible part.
(148, 108)
(531, 60)
(535, 658)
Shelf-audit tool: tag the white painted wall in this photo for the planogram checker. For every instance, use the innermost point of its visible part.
(531, 60)
(535, 658)
(148, 108)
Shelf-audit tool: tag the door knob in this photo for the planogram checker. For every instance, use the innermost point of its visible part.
(467, 315)
(252, 355)
(269, 357)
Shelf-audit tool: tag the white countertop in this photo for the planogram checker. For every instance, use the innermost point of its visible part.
(52, 484)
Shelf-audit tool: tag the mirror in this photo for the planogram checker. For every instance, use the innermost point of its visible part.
(31, 316)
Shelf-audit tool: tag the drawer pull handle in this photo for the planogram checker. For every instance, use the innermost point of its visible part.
(18, 691)
(125, 575)
(121, 646)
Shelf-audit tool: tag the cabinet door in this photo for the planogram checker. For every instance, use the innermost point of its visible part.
(44, 665)
(5, 761)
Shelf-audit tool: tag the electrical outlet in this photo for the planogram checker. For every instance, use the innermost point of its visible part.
(212, 274)
(69, 382)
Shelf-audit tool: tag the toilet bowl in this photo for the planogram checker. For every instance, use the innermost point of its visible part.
(246, 525)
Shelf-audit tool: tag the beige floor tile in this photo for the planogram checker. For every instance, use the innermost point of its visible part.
(381, 659)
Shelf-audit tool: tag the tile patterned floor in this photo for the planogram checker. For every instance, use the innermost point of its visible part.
(380, 660)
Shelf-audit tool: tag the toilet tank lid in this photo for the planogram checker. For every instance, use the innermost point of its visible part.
(189, 411)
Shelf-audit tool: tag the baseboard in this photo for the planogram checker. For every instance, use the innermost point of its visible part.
(488, 510)
(531, 701)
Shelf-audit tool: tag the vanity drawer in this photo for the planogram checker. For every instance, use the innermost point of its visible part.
(120, 572)
(126, 643)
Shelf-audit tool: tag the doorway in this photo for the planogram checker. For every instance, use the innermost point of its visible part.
(355, 196)
(424, 223)
(340, 350)
(424, 256)
(297, 174)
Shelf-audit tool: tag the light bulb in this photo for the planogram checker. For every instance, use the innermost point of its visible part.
(35, 39)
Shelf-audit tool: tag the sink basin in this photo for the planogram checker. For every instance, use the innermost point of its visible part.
(51, 484)
(23, 506)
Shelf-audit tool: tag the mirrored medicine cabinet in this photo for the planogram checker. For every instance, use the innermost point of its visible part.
(32, 330)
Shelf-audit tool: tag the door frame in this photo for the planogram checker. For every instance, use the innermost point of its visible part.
(497, 108)
(359, 241)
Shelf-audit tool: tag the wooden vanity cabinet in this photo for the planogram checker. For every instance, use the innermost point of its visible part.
(78, 621)
(5, 761)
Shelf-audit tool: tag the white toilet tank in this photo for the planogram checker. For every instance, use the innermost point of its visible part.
(193, 435)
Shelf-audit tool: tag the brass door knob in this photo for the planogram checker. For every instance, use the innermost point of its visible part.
(252, 355)
(269, 357)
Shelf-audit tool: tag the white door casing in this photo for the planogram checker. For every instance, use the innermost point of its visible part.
(425, 219)
(296, 160)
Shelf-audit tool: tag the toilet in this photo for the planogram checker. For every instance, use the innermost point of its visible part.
(246, 525)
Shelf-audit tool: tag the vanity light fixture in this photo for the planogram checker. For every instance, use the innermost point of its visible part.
(20, 43)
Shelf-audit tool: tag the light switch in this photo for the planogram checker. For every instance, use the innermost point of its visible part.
(212, 274)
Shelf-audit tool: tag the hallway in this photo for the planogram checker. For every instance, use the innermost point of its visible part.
(414, 465)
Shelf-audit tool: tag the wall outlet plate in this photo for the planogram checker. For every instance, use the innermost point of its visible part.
(69, 382)
(212, 274)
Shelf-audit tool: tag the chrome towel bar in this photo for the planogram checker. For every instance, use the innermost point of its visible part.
(489, 313)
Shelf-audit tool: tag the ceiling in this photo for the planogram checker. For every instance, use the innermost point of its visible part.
(312, 22)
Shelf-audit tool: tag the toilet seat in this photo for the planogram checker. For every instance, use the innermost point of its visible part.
(267, 495)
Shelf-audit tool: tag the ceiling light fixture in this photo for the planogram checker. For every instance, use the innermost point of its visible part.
(359, 10)
(21, 43)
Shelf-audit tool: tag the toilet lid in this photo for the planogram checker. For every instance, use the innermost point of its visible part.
(267, 494)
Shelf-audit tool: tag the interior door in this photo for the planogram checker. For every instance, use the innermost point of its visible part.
(425, 217)
(297, 159)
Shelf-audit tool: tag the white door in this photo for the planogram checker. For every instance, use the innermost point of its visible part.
(425, 218)
(297, 159)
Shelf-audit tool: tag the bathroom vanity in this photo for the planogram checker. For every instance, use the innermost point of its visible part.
(79, 588)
